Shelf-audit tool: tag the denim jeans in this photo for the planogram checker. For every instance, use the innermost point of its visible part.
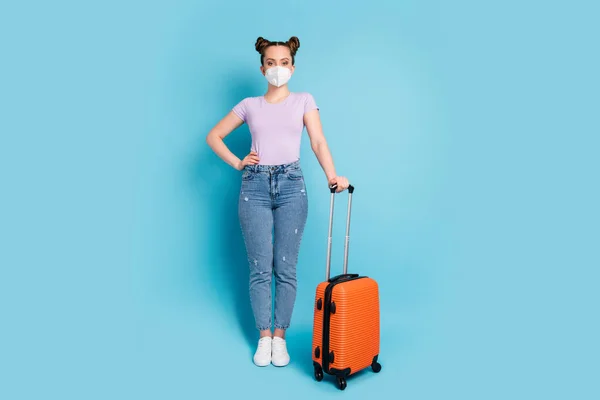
(273, 207)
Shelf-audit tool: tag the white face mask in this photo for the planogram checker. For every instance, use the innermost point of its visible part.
(278, 76)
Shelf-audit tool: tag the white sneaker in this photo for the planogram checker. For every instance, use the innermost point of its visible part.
(262, 357)
(279, 354)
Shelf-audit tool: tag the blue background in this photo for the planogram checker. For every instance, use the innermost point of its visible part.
(470, 130)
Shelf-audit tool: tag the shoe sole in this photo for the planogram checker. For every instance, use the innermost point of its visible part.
(262, 365)
(279, 365)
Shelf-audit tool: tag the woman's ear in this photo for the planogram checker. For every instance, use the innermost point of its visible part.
(262, 70)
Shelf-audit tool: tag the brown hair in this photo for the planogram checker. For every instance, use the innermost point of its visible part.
(262, 44)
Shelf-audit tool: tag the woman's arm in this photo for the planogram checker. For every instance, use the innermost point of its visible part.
(215, 140)
(319, 146)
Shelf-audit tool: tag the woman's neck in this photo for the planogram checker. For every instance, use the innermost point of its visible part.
(276, 94)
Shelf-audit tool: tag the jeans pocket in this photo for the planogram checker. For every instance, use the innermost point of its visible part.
(295, 174)
(247, 175)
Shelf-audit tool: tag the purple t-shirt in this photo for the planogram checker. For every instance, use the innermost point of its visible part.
(276, 129)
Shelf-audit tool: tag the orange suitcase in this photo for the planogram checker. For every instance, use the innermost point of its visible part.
(346, 317)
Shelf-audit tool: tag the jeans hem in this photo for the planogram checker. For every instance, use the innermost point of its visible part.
(267, 328)
(282, 327)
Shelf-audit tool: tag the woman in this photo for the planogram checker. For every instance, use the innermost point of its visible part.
(273, 196)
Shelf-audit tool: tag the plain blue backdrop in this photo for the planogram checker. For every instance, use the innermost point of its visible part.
(470, 130)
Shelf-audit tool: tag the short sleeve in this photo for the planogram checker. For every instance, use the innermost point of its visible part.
(309, 103)
(240, 109)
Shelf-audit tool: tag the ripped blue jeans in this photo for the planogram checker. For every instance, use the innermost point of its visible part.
(273, 207)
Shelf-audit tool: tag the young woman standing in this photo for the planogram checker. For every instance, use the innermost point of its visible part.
(273, 197)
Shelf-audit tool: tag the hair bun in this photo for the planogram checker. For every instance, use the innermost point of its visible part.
(294, 44)
(261, 44)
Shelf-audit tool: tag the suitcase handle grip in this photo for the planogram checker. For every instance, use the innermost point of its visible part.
(342, 277)
(332, 188)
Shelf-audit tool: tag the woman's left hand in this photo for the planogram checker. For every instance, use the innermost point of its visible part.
(341, 182)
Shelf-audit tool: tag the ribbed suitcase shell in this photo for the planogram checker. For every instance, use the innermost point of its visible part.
(354, 327)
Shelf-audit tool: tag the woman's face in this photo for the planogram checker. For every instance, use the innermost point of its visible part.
(277, 56)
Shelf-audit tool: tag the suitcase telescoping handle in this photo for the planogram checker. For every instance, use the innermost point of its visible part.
(329, 239)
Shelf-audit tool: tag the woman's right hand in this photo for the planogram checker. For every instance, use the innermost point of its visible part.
(250, 159)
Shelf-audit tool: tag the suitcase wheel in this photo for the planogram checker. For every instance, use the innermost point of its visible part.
(318, 373)
(341, 382)
(376, 367)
